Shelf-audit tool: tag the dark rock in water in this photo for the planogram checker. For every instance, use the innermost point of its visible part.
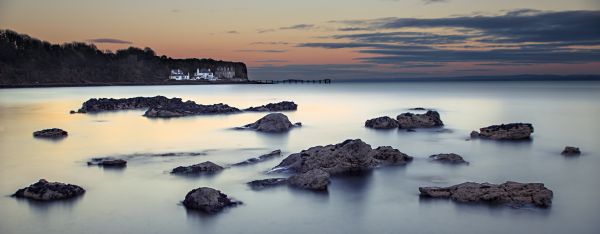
(72, 112)
(208, 200)
(571, 151)
(267, 183)
(298, 124)
(51, 133)
(274, 122)
(188, 108)
(509, 193)
(275, 153)
(431, 119)
(448, 158)
(280, 106)
(49, 191)
(110, 104)
(315, 179)
(348, 156)
(107, 162)
(418, 109)
(382, 123)
(513, 131)
(205, 167)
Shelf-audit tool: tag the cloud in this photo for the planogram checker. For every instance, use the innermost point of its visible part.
(298, 27)
(109, 41)
(263, 51)
(232, 32)
(269, 43)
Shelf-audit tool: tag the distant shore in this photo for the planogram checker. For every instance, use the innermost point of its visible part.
(49, 85)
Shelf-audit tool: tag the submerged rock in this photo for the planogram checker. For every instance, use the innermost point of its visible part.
(384, 122)
(280, 106)
(512, 131)
(51, 133)
(188, 108)
(49, 191)
(448, 158)
(274, 122)
(315, 179)
(110, 104)
(275, 153)
(267, 183)
(510, 193)
(207, 167)
(208, 200)
(431, 119)
(571, 151)
(107, 162)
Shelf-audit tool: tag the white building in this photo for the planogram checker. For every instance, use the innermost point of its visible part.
(177, 74)
(204, 74)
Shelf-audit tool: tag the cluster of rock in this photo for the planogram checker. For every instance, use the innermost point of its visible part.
(207, 167)
(509, 193)
(95, 105)
(51, 133)
(430, 119)
(273, 123)
(188, 108)
(208, 200)
(107, 162)
(264, 157)
(450, 158)
(49, 191)
(280, 106)
(512, 131)
(571, 151)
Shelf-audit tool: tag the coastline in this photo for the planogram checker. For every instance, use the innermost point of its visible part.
(53, 85)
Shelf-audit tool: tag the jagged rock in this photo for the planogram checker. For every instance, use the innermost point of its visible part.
(512, 131)
(51, 133)
(384, 122)
(280, 106)
(389, 155)
(267, 183)
(274, 122)
(110, 104)
(208, 200)
(179, 109)
(570, 151)
(430, 119)
(348, 156)
(315, 179)
(275, 153)
(107, 162)
(448, 158)
(205, 167)
(510, 193)
(49, 191)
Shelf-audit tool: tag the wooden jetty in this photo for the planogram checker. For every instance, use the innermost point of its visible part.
(294, 81)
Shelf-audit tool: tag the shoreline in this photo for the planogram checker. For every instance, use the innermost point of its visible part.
(56, 85)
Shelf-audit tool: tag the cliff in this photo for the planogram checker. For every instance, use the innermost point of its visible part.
(29, 61)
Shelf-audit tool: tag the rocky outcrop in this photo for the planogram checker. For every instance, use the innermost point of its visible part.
(512, 131)
(509, 193)
(51, 133)
(49, 191)
(448, 158)
(570, 151)
(201, 168)
(208, 200)
(315, 179)
(107, 162)
(95, 105)
(431, 119)
(273, 107)
(384, 122)
(348, 156)
(273, 123)
(267, 183)
(264, 157)
(188, 108)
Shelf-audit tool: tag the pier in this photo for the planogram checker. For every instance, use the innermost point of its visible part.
(294, 81)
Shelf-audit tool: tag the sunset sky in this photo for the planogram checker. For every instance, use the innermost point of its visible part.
(335, 38)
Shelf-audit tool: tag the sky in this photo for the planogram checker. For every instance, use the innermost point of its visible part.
(338, 39)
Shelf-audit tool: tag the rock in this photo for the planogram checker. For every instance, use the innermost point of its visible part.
(72, 112)
(205, 167)
(51, 133)
(348, 156)
(512, 131)
(315, 179)
(267, 183)
(298, 124)
(418, 109)
(384, 122)
(389, 155)
(430, 119)
(49, 191)
(448, 158)
(272, 107)
(275, 153)
(510, 193)
(107, 162)
(274, 122)
(110, 104)
(188, 108)
(208, 200)
(570, 151)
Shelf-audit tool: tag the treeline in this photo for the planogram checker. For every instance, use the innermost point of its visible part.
(28, 61)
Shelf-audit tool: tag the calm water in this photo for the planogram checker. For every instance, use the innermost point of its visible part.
(144, 197)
